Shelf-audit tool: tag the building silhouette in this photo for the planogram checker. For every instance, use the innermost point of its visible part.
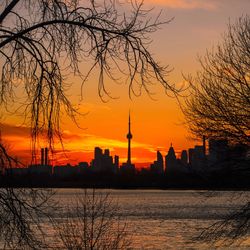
(184, 157)
(103, 162)
(44, 168)
(129, 137)
(158, 166)
(128, 166)
(174, 166)
(218, 150)
(198, 158)
(65, 171)
(190, 156)
(44, 156)
(170, 160)
(116, 163)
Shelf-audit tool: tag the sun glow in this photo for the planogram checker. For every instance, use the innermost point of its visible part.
(157, 120)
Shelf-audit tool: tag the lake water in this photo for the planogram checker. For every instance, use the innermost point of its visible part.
(163, 219)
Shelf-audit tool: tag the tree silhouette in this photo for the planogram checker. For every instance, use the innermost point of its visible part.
(218, 107)
(219, 102)
(232, 230)
(42, 44)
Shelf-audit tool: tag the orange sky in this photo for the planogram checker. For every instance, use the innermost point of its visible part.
(197, 26)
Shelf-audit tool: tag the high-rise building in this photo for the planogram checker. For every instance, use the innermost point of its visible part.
(106, 152)
(184, 157)
(170, 159)
(157, 167)
(190, 155)
(116, 163)
(174, 166)
(218, 150)
(97, 161)
(98, 153)
(160, 162)
(198, 158)
(103, 162)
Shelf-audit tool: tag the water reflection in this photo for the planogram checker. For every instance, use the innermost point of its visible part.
(164, 219)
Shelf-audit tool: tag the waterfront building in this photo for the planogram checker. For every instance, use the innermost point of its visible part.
(198, 159)
(184, 157)
(65, 171)
(44, 168)
(158, 166)
(190, 156)
(103, 162)
(116, 163)
(218, 150)
(170, 160)
(38, 169)
(174, 166)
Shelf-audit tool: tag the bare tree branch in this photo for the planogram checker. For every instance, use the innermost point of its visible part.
(50, 39)
(219, 102)
(42, 44)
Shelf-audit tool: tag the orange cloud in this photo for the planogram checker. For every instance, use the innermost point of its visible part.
(77, 146)
(13, 130)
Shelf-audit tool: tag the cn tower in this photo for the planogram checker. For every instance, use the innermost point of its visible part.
(129, 137)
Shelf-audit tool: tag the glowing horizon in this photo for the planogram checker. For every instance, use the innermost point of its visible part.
(157, 120)
(75, 152)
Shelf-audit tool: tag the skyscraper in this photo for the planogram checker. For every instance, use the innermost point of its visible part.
(184, 157)
(174, 166)
(170, 159)
(157, 167)
(103, 162)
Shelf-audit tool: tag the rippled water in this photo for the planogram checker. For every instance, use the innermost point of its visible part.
(160, 219)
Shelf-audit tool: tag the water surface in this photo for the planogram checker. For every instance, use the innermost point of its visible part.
(163, 219)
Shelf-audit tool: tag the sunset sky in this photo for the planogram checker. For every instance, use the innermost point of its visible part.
(197, 26)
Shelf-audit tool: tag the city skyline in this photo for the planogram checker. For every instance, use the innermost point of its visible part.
(213, 156)
(125, 124)
(158, 121)
(43, 154)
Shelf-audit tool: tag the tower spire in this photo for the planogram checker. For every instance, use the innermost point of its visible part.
(129, 137)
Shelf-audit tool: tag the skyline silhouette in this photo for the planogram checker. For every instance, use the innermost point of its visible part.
(44, 153)
(72, 72)
(197, 157)
(222, 167)
(156, 122)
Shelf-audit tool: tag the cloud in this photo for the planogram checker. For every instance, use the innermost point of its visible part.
(87, 142)
(185, 4)
(12, 130)
(77, 146)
